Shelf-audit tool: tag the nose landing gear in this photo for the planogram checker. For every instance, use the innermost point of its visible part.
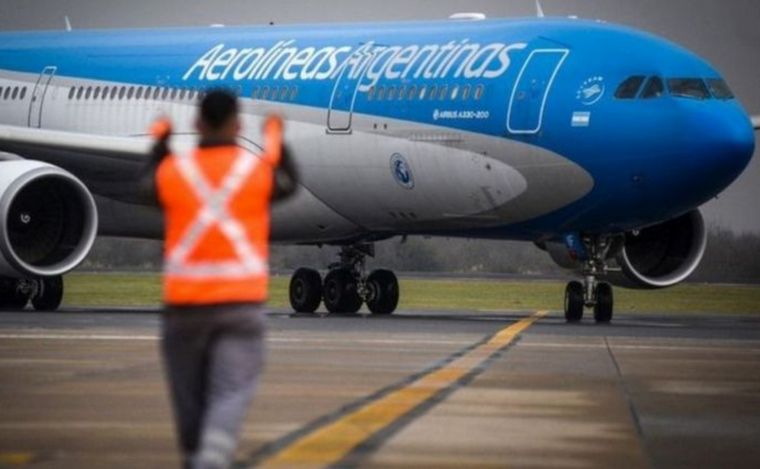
(591, 293)
(346, 286)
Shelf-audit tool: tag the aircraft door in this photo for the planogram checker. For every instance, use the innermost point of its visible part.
(534, 82)
(38, 96)
(347, 87)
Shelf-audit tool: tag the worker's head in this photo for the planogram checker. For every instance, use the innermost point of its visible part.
(219, 115)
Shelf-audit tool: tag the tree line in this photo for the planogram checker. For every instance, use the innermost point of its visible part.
(730, 257)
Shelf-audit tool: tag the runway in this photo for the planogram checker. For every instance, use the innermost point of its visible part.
(84, 388)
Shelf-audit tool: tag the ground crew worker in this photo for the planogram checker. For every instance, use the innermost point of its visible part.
(216, 202)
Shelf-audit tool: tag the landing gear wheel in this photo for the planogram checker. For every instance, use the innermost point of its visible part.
(383, 292)
(604, 303)
(574, 302)
(340, 292)
(49, 294)
(305, 290)
(11, 296)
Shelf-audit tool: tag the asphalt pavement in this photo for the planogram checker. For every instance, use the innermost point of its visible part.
(85, 388)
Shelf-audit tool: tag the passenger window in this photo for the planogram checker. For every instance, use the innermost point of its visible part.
(1, 91)
(105, 92)
(72, 91)
(23, 93)
(401, 92)
(156, 92)
(630, 87)
(653, 89)
(688, 88)
(131, 92)
(88, 93)
(479, 92)
(174, 93)
(7, 93)
(114, 91)
(391, 93)
(283, 93)
(432, 92)
(466, 92)
(15, 93)
(122, 92)
(719, 88)
(139, 92)
(423, 91)
(255, 92)
(265, 92)
(443, 92)
(380, 93)
(96, 95)
(293, 93)
(412, 93)
(454, 93)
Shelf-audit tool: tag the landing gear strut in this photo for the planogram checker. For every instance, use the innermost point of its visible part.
(591, 293)
(346, 286)
(45, 294)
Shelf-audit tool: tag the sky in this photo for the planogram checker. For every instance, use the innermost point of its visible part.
(725, 32)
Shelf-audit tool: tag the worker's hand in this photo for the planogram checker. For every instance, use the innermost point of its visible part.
(161, 129)
(161, 132)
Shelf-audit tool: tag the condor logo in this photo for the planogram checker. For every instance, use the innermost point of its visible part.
(401, 171)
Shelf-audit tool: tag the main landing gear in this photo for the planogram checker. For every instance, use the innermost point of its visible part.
(346, 286)
(45, 294)
(591, 293)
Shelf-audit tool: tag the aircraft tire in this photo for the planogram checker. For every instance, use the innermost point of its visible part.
(10, 297)
(50, 294)
(384, 292)
(574, 302)
(340, 292)
(604, 303)
(305, 290)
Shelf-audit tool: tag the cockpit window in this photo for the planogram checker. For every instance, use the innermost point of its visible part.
(653, 89)
(719, 88)
(630, 87)
(688, 88)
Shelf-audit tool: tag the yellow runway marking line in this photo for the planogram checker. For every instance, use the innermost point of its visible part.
(330, 443)
(15, 459)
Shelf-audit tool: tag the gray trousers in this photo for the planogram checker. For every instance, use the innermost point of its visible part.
(213, 356)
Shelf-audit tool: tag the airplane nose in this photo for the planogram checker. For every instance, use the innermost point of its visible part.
(726, 145)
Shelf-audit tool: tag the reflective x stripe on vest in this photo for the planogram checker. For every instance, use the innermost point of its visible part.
(214, 210)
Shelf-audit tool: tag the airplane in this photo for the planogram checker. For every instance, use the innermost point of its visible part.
(596, 142)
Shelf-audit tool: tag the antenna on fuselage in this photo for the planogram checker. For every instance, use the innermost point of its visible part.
(539, 9)
(68, 23)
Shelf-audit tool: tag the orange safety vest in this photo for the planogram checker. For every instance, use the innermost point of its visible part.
(216, 204)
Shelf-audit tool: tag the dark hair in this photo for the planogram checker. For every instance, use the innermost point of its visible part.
(217, 108)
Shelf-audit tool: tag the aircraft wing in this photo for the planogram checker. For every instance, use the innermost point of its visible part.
(108, 165)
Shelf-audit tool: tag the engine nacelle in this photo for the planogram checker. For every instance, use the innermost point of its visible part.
(659, 256)
(48, 220)
(662, 255)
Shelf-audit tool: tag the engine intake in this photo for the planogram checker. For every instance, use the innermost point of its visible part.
(48, 220)
(662, 255)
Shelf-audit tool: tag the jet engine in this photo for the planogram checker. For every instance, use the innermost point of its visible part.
(661, 255)
(48, 220)
(658, 256)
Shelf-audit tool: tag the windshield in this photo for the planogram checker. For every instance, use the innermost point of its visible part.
(630, 87)
(688, 88)
(719, 88)
(653, 89)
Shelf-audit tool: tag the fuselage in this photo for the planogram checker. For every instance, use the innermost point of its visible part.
(521, 129)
